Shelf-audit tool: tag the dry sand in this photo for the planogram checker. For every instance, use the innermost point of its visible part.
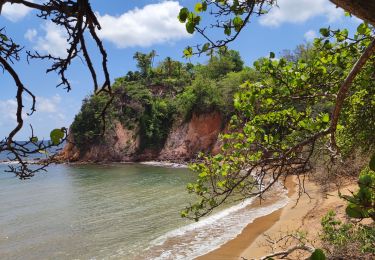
(304, 215)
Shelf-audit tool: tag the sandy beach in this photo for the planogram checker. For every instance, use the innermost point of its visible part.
(304, 216)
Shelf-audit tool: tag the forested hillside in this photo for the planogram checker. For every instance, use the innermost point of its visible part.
(174, 110)
(160, 101)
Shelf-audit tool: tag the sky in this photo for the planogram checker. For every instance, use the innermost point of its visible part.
(137, 25)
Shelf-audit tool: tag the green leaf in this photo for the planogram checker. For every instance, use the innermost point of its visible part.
(204, 6)
(318, 254)
(227, 30)
(190, 27)
(361, 29)
(57, 135)
(205, 47)
(372, 163)
(198, 7)
(34, 139)
(183, 15)
(184, 214)
(237, 23)
(4, 38)
(303, 77)
(325, 118)
(272, 55)
(354, 211)
(324, 32)
(341, 36)
(188, 52)
(365, 181)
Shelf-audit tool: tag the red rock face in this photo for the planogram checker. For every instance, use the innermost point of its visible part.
(188, 139)
(184, 142)
(120, 144)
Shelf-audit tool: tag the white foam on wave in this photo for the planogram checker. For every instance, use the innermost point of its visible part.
(164, 164)
(17, 162)
(8, 162)
(199, 238)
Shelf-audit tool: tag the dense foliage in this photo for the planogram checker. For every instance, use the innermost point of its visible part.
(151, 99)
(347, 240)
(283, 121)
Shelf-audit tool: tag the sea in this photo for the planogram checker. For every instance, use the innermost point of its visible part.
(112, 211)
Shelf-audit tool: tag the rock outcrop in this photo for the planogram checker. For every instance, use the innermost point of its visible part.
(184, 142)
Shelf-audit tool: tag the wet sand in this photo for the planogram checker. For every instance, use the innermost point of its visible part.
(235, 248)
(305, 216)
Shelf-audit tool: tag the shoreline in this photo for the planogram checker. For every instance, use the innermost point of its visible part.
(166, 164)
(235, 248)
(303, 213)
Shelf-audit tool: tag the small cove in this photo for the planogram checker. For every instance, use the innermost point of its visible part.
(115, 211)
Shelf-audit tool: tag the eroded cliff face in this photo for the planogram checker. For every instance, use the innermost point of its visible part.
(184, 142)
(187, 139)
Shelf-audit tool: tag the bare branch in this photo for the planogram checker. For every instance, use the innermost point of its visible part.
(75, 17)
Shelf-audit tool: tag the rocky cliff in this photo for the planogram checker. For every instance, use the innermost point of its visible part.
(184, 141)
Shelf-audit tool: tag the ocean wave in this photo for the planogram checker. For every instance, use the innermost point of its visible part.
(8, 162)
(196, 239)
(165, 164)
(16, 162)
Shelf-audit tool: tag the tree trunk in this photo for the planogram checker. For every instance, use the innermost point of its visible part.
(363, 9)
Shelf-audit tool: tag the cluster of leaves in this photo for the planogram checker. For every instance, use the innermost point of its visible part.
(352, 239)
(347, 240)
(362, 203)
(281, 120)
(231, 17)
(151, 99)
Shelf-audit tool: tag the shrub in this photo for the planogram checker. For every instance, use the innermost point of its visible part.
(347, 240)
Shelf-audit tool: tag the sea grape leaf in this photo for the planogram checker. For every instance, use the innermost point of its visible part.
(198, 7)
(354, 212)
(205, 47)
(183, 15)
(57, 135)
(324, 32)
(318, 254)
(237, 23)
(190, 27)
(188, 52)
(325, 118)
(34, 139)
(227, 30)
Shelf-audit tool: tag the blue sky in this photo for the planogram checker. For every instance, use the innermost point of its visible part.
(139, 25)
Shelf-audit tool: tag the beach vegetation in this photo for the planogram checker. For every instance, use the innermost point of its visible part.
(344, 239)
(152, 98)
(300, 112)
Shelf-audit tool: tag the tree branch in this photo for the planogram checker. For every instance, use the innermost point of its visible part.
(343, 91)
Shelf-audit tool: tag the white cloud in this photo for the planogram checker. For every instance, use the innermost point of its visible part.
(152, 24)
(50, 113)
(299, 11)
(14, 12)
(53, 42)
(310, 35)
(31, 34)
(8, 108)
(48, 105)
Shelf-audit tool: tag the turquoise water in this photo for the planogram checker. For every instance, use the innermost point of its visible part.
(89, 211)
(120, 211)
